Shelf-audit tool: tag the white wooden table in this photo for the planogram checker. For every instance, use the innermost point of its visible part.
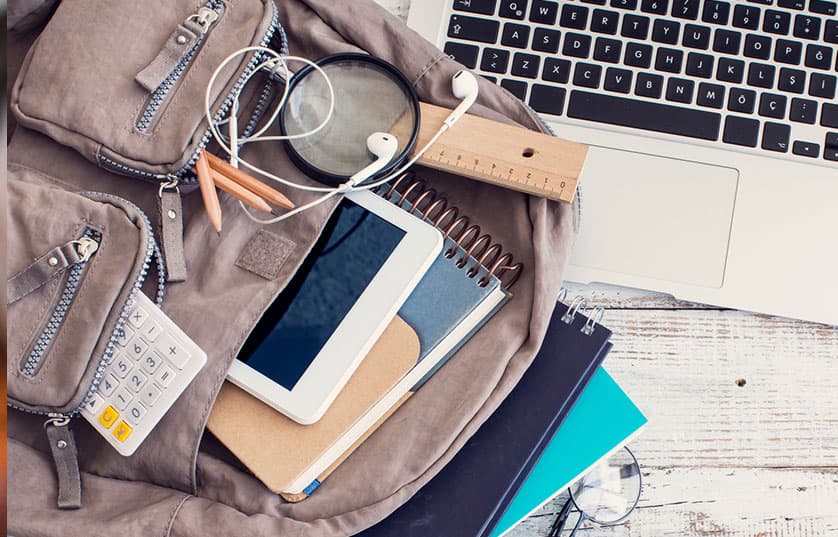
(742, 437)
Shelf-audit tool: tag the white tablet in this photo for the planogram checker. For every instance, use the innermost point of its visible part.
(308, 343)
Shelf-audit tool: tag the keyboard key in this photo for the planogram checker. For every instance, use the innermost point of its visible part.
(150, 362)
(526, 65)
(757, 46)
(547, 99)
(122, 431)
(108, 385)
(618, 80)
(136, 348)
(515, 35)
(150, 395)
(484, 7)
(574, 16)
(761, 75)
(624, 4)
(515, 87)
(819, 57)
(473, 29)
(710, 95)
(136, 381)
(829, 115)
(807, 27)
(465, 54)
(607, 50)
(494, 60)
(764, 2)
(822, 86)
(577, 45)
(123, 398)
(680, 90)
(803, 110)
(94, 405)
(669, 60)
(830, 148)
(165, 375)
(587, 75)
(556, 70)
(597, 2)
(772, 105)
(108, 417)
(746, 17)
(492, 79)
(174, 351)
(605, 22)
(696, 36)
(135, 413)
(665, 31)
(830, 33)
(792, 4)
(776, 22)
(730, 70)
(544, 40)
(637, 55)
(635, 27)
(727, 42)
(121, 367)
(823, 7)
(788, 52)
(716, 12)
(138, 317)
(124, 336)
(742, 100)
(151, 329)
(775, 137)
(658, 7)
(543, 12)
(700, 65)
(741, 131)
(657, 117)
(806, 149)
(685, 9)
(791, 80)
(512, 9)
(649, 85)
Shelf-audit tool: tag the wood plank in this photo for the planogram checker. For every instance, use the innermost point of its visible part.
(616, 297)
(714, 502)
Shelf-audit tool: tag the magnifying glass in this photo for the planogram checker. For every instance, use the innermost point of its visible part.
(371, 95)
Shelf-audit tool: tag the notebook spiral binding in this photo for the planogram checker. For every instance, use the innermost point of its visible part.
(578, 304)
(415, 196)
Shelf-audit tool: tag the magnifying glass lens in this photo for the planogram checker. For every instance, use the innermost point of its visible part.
(369, 97)
(610, 491)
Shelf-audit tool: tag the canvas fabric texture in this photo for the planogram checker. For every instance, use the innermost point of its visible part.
(180, 483)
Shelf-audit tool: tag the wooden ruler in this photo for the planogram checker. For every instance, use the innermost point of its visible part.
(502, 154)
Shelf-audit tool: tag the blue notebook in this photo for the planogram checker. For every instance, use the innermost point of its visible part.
(605, 418)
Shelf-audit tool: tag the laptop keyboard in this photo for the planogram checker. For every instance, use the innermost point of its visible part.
(761, 74)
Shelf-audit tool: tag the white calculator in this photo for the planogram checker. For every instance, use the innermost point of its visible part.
(153, 363)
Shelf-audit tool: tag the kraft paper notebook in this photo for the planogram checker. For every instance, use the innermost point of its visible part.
(469, 496)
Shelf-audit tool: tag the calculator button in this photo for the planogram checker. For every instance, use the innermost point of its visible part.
(124, 336)
(165, 375)
(173, 351)
(122, 398)
(122, 431)
(150, 362)
(150, 395)
(108, 417)
(94, 405)
(108, 385)
(137, 348)
(152, 331)
(136, 380)
(121, 367)
(138, 317)
(135, 413)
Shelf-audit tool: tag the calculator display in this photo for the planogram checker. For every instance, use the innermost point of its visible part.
(352, 249)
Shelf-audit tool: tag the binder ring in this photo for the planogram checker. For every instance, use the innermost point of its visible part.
(413, 186)
(485, 240)
(432, 206)
(562, 294)
(482, 262)
(484, 281)
(593, 319)
(453, 212)
(449, 232)
(570, 315)
(517, 269)
(430, 194)
(469, 231)
(395, 184)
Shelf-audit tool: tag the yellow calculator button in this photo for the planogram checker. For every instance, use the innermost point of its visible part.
(122, 431)
(108, 417)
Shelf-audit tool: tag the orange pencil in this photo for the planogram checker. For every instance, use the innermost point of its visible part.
(249, 182)
(213, 206)
(239, 192)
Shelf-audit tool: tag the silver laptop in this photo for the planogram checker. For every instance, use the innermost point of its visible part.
(713, 170)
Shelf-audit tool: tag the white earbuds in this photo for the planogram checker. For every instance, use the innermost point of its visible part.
(384, 146)
(464, 86)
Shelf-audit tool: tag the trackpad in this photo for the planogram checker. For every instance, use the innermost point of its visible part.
(655, 217)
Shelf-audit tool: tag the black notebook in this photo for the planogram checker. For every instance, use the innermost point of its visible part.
(468, 497)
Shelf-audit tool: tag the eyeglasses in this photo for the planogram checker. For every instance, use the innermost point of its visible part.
(606, 495)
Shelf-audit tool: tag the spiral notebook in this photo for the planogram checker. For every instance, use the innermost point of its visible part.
(470, 495)
(461, 291)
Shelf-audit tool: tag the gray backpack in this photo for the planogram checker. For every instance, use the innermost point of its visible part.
(84, 161)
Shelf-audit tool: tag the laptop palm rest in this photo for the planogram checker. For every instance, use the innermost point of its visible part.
(655, 217)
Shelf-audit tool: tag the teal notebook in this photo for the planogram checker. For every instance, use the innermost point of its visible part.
(605, 418)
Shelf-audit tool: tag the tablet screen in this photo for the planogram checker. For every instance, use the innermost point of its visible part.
(352, 249)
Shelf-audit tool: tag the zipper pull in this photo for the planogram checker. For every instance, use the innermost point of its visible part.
(205, 18)
(46, 267)
(62, 443)
(171, 229)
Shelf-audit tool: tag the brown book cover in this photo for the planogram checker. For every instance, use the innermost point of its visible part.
(278, 450)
